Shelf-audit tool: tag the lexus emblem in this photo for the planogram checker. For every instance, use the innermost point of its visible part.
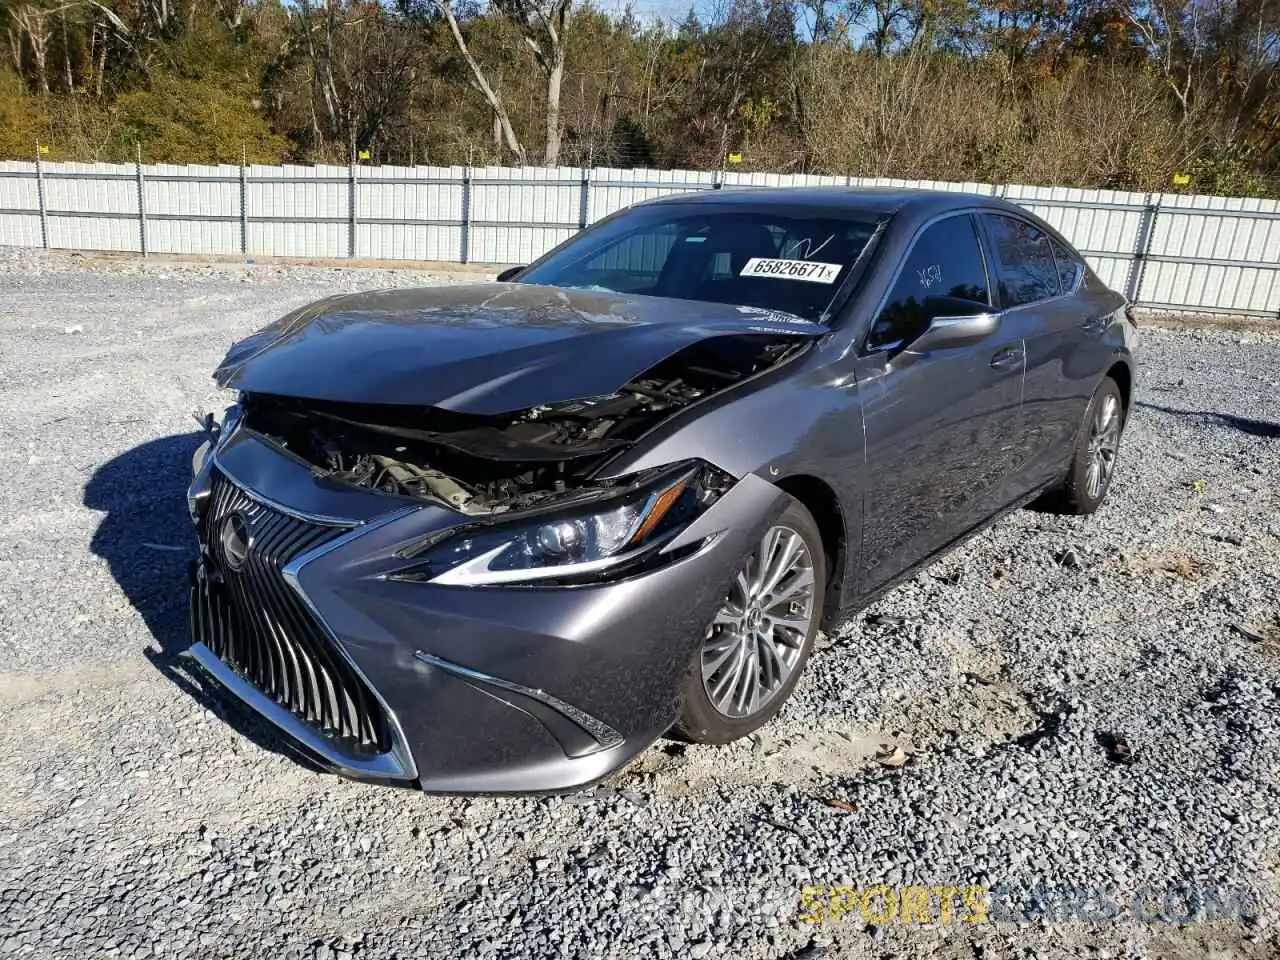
(235, 540)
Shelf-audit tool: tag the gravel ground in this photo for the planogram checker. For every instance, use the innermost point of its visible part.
(140, 816)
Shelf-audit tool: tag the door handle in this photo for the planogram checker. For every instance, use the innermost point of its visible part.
(1006, 359)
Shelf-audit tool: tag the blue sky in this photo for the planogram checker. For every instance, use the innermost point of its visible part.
(668, 11)
(674, 11)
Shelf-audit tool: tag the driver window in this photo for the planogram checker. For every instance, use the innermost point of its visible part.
(945, 261)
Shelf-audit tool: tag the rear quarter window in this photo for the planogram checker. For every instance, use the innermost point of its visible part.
(1024, 257)
(1071, 268)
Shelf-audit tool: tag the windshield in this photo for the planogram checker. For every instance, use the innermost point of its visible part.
(774, 259)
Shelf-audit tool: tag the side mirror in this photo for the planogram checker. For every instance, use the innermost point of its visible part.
(959, 330)
(510, 272)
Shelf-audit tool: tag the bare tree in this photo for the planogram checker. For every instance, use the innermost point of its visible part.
(501, 119)
(884, 21)
(361, 68)
(1172, 32)
(34, 23)
(544, 28)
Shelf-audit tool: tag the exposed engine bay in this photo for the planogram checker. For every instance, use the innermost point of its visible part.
(493, 464)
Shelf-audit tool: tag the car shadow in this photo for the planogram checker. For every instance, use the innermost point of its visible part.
(146, 539)
(1254, 428)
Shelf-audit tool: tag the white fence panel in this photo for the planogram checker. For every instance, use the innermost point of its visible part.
(519, 214)
(92, 206)
(299, 211)
(193, 209)
(1164, 250)
(1208, 252)
(410, 213)
(19, 205)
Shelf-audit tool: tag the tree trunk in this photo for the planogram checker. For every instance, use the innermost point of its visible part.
(495, 101)
(100, 70)
(66, 53)
(33, 22)
(39, 53)
(554, 78)
(15, 49)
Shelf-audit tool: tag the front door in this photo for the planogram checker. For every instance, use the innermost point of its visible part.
(942, 429)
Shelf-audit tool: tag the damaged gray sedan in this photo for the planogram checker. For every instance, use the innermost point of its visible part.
(501, 537)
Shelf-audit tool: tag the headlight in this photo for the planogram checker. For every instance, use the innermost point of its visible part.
(579, 545)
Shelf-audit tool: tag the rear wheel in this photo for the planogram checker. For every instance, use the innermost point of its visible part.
(758, 642)
(1093, 462)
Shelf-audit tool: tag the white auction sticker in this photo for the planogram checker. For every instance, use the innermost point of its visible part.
(811, 271)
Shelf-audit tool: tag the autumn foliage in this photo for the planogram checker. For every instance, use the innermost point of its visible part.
(1096, 93)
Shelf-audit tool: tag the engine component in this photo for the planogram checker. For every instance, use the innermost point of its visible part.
(483, 465)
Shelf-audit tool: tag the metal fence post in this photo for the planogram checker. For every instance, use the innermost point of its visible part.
(44, 210)
(244, 203)
(142, 202)
(464, 245)
(1133, 285)
(351, 204)
(584, 200)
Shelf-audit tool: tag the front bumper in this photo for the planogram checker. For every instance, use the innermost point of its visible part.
(475, 689)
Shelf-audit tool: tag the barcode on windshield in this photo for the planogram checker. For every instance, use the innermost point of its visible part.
(810, 271)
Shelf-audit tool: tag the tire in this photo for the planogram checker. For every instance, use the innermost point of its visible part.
(1083, 490)
(708, 714)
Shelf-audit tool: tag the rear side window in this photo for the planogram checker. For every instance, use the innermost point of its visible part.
(945, 261)
(1027, 269)
(1070, 269)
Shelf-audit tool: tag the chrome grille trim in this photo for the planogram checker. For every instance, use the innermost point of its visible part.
(316, 518)
(382, 766)
(259, 623)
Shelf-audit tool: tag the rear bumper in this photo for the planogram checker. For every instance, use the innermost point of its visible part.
(499, 689)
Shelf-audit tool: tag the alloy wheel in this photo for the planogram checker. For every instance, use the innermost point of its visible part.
(756, 639)
(1104, 444)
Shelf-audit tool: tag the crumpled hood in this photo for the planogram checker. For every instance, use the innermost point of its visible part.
(484, 348)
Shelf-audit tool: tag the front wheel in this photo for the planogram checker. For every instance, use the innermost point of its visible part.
(1093, 462)
(756, 646)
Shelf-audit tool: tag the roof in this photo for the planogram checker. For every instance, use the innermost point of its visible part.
(872, 201)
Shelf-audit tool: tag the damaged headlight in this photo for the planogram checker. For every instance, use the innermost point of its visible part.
(577, 545)
(218, 412)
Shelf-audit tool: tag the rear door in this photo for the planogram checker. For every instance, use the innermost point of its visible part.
(1036, 282)
(941, 429)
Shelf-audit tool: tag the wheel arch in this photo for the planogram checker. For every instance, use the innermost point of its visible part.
(820, 499)
(1122, 374)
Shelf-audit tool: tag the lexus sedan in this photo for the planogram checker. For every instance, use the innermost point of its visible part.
(501, 537)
